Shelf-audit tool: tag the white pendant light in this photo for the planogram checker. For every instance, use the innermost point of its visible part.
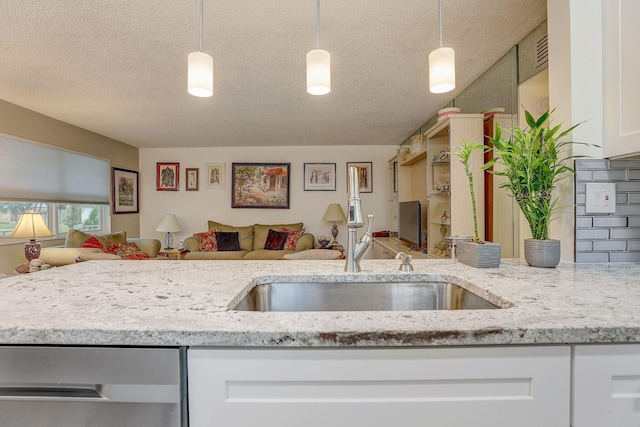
(200, 69)
(442, 65)
(318, 64)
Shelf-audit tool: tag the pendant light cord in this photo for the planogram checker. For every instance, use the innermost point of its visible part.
(202, 20)
(317, 24)
(440, 19)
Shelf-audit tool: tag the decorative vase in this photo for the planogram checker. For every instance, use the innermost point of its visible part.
(542, 253)
(479, 255)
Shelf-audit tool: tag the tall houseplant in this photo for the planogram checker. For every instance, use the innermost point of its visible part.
(476, 253)
(534, 160)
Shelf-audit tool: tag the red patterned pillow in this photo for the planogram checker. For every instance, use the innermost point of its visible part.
(126, 250)
(207, 241)
(292, 239)
(94, 243)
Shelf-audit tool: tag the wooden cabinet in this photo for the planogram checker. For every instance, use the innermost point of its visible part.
(449, 210)
(454, 387)
(437, 180)
(606, 385)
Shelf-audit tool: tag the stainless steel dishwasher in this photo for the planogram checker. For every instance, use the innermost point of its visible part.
(92, 386)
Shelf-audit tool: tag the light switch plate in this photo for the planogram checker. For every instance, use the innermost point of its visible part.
(601, 197)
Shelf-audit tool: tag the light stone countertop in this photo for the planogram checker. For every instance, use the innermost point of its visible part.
(185, 303)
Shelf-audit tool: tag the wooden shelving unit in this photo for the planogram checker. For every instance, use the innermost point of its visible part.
(447, 184)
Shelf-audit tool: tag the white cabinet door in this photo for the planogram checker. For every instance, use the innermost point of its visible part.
(606, 386)
(452, 387)
(621, 78)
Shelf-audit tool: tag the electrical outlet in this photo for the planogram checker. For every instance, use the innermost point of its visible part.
(601, 197)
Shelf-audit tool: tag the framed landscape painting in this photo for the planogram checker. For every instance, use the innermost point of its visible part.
(167, 176)
(365, 177)
(124, 184)
(319, 177)
(260, 185)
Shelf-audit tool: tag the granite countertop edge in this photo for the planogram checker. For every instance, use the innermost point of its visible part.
(186, 303)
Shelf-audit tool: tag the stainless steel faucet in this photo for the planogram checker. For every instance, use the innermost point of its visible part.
(356, 251)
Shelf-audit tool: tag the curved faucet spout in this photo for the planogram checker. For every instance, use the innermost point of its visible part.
(357, 251)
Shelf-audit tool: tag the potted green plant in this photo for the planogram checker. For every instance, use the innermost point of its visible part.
(475, 253)
(533, 160)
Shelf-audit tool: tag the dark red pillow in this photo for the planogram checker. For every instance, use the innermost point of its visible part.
(94, 243)
(276, 240)
(228, 240)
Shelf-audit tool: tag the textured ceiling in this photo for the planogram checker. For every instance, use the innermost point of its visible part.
(118, 68)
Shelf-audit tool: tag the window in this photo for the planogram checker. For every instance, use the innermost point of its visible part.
(71, 190)
(59, 217)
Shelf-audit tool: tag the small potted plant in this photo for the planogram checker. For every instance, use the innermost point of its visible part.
(475, 253)
(534, 160)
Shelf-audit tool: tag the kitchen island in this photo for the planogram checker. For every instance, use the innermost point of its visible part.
(186, 303)
(562, 348)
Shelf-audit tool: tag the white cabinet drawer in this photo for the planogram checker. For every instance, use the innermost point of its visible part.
(380, 387)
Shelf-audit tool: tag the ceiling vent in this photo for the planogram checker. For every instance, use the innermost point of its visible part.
(542, 51)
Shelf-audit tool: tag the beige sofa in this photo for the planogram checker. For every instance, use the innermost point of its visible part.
(73, 250)
(252, 240)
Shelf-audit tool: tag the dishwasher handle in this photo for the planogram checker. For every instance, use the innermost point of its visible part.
(137, 393)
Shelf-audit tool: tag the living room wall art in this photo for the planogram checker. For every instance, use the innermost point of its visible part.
(192, 179)
(365, 177)
(319, 177)
(260, 185)
(215, 175)
(124, 184)
(167, 176)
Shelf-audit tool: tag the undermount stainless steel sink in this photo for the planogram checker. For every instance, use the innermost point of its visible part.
(361, 296)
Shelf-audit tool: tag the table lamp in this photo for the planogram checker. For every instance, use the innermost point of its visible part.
(336, 214)
(168, 224)
(29, 226)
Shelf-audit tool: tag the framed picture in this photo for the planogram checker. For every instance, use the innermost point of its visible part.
(215, 175)
(260, 185)
(124, 184)
(192, 179)
(319, 177)
(365, 176)
(167, 176)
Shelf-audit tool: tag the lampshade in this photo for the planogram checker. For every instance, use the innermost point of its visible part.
(169, 224)
(30, 225)
(442, 64)
(442, 70)
(200, 74)
(318, 72)
(334, 213)
(200, 68)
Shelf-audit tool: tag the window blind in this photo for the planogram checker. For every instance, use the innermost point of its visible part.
(32, 171)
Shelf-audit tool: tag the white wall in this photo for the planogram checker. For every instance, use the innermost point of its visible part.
(195, 208)
(575, 90)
